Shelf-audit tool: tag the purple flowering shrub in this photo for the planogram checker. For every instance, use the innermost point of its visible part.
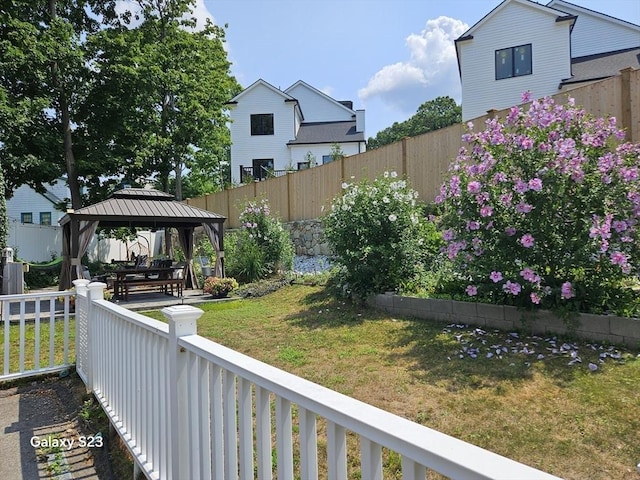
(543, 209)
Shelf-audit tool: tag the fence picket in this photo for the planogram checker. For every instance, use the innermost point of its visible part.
(145, 372)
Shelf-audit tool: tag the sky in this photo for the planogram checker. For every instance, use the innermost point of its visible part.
(387, 56)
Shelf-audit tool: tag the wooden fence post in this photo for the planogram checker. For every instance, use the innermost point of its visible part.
(404, 157)
(625, 97)
(289, 196)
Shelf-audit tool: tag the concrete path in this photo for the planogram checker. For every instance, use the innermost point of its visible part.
(36, 412)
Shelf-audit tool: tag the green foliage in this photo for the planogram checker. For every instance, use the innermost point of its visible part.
(158, 99)
(541, 210)
(261, 248)
(379, 236)
(85, 93)
(336, 152)
(432, 115)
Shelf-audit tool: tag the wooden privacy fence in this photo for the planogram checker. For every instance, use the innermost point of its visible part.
(423, 159)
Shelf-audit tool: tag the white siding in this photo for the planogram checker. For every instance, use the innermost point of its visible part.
(246, 147)
(318, 108)
(27, 200)
(516, 24)
(593, 33)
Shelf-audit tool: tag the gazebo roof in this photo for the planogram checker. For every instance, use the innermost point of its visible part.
(140, 207)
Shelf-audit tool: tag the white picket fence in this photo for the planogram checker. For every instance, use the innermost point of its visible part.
(189, 408)
(35, 314)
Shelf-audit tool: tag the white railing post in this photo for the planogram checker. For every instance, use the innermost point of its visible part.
(182, 322)
(94, 291)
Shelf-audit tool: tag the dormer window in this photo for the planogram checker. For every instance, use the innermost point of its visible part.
(513, 62)
(262, 124)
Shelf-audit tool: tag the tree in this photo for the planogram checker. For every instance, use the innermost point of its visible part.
(4, 220)
(336, 152)
(432, 115)
(85, 94)
(42, 64)
(159, 101)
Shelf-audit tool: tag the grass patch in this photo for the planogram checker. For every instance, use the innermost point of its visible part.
(31, 341)
(567, 407)
(531, 401)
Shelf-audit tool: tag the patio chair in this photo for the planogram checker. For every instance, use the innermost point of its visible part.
(180, 276)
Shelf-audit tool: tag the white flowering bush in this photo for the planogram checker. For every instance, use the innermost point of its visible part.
(542, 210)
(262, 247)
(379, 236)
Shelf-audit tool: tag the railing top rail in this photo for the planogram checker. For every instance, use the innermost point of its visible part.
(135, 318)
(36, 295)
(438, 451)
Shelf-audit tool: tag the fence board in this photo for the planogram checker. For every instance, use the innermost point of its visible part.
(423, 159)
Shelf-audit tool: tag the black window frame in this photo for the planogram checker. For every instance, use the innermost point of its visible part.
(26, 217)
(260, 173)
(510, 52)
(262, 124)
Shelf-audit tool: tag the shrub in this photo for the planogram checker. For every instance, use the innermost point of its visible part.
(380, 238)
(261, 247)
(219, 287)
(542, 210)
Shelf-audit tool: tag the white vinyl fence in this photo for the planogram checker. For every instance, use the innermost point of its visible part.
(35, 334)
(190, 408)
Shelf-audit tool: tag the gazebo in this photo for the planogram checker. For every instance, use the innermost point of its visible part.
(138, 207)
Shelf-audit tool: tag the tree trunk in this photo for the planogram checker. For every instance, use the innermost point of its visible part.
(69, 158)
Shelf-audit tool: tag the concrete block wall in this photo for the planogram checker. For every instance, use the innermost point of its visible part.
(599, 328)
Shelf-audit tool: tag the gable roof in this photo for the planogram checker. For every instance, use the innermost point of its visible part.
(143, 208)
(560, 16)
(327, 132)
(468, 35)
(560, 4)
(261, 82)
(321, 94)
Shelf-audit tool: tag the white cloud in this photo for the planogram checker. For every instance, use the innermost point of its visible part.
(430, 71)
(201, 12)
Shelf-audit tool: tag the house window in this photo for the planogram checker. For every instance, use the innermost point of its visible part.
(262, 124)
(26, 217)
(327, 159)
(303, 165)
(513, 62)
(45, 218)
(262, 168)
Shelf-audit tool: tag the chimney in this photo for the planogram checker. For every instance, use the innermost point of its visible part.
(360, 121)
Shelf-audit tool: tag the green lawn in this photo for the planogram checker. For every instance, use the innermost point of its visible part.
(532, 406)
(30, 344)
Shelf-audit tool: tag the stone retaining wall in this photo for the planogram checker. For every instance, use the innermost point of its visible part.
(307, 237)
(600, 328)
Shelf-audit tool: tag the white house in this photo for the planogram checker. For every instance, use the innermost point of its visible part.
(296, 128)
(523, 46)
(36, 236)
(34, 233)
(28, 206)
